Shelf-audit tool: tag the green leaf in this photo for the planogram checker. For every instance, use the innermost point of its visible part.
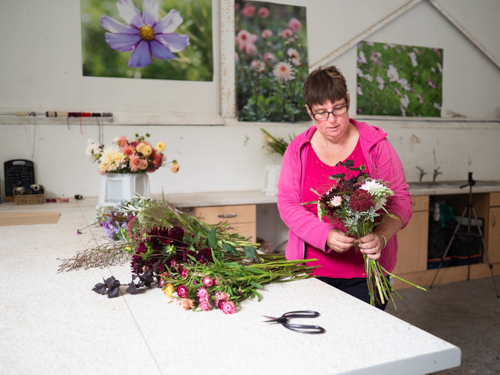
(228, 248)
(192, 258)
(212, 238)
(255, 284)
(250, 252)
(255, 271)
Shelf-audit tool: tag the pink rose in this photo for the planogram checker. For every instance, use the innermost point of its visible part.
(207, 281)
(228, 307)
(204, 304)
(182, 291)
(203, 293)
(287, 33)
(263, 12)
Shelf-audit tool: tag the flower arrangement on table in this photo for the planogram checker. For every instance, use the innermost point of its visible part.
(360, 202)
(199, 266)
(129, 155)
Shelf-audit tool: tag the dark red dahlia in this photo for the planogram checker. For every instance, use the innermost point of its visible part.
(361, 201)
(176, 234)
(138, 262)
(159, 234)
(204, 256)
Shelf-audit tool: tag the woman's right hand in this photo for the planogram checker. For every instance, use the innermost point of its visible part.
(338, 241)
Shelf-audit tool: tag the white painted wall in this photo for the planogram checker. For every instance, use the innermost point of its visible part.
(40, 69)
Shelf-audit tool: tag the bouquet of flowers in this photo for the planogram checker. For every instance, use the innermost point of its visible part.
(359, 202)
(129, 156)
(198, 265)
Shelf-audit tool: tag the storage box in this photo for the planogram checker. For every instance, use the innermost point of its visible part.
(434, 263)
(30, 198)
(457, 260)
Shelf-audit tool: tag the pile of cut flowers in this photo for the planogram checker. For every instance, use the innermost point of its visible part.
(199, 266)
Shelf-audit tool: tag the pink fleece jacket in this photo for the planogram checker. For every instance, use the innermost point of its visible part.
(383, 163)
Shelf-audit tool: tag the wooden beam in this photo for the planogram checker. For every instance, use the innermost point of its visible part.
(364, 34)
(227, 65)
(467, 33)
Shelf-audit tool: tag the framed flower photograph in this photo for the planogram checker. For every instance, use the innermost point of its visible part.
(154, 39)
(399, 80)
(270, 61)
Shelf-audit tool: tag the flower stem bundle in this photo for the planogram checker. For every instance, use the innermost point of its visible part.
(198, 265)
(360, 202)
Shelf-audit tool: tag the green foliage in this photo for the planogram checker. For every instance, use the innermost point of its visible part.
(419, 98)
(195, 63)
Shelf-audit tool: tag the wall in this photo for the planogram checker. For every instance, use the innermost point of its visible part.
(40, 69)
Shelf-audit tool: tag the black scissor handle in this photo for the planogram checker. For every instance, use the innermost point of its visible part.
(301, 314)
(304, 328)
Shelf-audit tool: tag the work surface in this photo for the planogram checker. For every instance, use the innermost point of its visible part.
(54, 324)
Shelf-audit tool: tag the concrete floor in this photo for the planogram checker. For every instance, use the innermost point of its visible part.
(465, 314)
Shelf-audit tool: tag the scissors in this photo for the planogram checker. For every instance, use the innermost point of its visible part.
(302, 328)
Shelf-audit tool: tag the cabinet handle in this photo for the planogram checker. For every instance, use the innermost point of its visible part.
(494, 218)
(227, 216)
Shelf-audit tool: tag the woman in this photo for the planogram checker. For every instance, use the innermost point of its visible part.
(308, 162)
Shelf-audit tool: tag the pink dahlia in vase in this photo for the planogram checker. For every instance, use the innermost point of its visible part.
(124, 155)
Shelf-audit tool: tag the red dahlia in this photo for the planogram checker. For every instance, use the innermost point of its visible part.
(361, 201)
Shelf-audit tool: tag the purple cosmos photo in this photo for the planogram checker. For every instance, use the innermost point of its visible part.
(144, 35)
(147, 39)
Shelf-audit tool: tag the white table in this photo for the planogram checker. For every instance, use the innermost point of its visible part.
(53, 323)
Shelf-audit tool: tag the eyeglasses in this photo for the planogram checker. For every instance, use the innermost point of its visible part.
(321, 116)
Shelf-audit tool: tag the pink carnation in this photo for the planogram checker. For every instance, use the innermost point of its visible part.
(221, 296)
(186, 303)
(203, 293)
(204, 304)
(182, 291)
(207, 281)
(228, 307)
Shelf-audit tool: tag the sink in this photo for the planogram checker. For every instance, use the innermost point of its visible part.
(450, 184)
(434, 185)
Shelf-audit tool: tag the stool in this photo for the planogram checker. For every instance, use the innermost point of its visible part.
(116, 187)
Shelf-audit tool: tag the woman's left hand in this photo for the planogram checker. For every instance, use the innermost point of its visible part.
(371, 245)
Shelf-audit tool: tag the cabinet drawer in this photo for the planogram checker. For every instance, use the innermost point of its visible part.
(231, 214)
(246, 230)
(412, 245)
(420, 203)
(494, 199)
(494, 235)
